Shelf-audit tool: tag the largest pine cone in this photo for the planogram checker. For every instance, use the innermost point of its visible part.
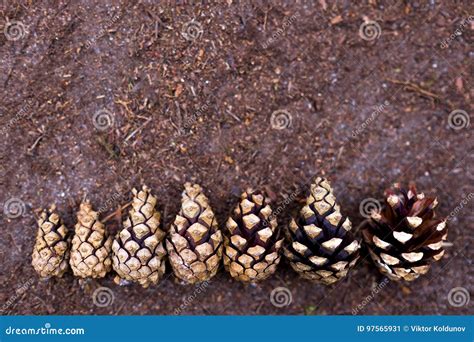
(322, 248)
(91, 245)
(405, 237)
(252, 249)
(51, 249)
(195, 241)
(138, 248)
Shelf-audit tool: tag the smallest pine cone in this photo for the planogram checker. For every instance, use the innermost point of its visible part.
(51, 250)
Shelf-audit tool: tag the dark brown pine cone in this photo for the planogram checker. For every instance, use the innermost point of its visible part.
(91, 246)
(405, 237)
(194, 243)
(138, 251)
(252, 249)
(322, 248)
(51, 250)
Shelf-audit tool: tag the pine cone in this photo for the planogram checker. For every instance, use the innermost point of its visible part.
(91, 245)
(195, 241)
(252, 251)
(138, 251)
(322, 247)
(405, 236)
(51, 249)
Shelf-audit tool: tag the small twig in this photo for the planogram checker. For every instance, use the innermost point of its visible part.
(137, 130)
(416, 88)
(125, 105)
(32, 147)
(108, 217)
(233, 115)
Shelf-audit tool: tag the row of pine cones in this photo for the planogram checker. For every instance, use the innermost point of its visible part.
(402, 239)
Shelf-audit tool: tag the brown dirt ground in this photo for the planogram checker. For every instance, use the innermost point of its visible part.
(203, 110)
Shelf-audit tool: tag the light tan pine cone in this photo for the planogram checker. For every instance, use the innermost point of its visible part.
(322, 247)
(138, 251)
(91, 245)
(195, 242)
(252, 249)
(51, 250)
